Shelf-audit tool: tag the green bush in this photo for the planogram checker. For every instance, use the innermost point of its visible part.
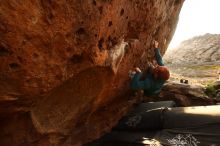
(211, 88)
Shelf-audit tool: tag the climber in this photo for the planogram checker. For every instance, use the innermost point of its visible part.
(155, 77)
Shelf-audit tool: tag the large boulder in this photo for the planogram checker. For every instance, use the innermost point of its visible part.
(185, 94)
(64, 64)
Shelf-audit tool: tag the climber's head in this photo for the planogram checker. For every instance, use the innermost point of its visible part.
(161, 73)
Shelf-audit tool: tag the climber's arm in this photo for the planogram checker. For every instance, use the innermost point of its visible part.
(158, 57)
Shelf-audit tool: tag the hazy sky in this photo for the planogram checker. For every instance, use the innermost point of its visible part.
(197, 17)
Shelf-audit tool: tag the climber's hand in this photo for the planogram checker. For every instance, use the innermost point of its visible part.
(137, 69)
(156, 44)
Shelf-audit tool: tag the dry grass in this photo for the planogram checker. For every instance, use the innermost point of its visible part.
(196, 74)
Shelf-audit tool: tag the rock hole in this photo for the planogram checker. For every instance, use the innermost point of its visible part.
(127, 17)
(96, 35)
(49, 18)
(100, 44)
(109, 23)
(68, 35)
(20, 59)
(14, 65)
(49, 2)
(58, 77)
(108, 1)
(68, 49)
(3, 28)
(4, 51)
(114, 41)
(77, 58)
(94, 2)
(109, 38)
(80, 31)
(122, 12)
(177, 2)
(100, 10)
(35, 55)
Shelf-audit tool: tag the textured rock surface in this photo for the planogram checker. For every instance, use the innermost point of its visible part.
(197, 50)
(64, 64)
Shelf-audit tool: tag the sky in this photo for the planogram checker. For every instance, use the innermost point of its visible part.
(197, 17)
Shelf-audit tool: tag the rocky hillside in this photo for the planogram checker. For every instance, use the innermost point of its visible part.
(196, 59)
(197, 50)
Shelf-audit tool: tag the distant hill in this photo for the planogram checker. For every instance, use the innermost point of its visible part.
(203, 49)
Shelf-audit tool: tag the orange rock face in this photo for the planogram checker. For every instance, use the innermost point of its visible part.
(64, 64)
